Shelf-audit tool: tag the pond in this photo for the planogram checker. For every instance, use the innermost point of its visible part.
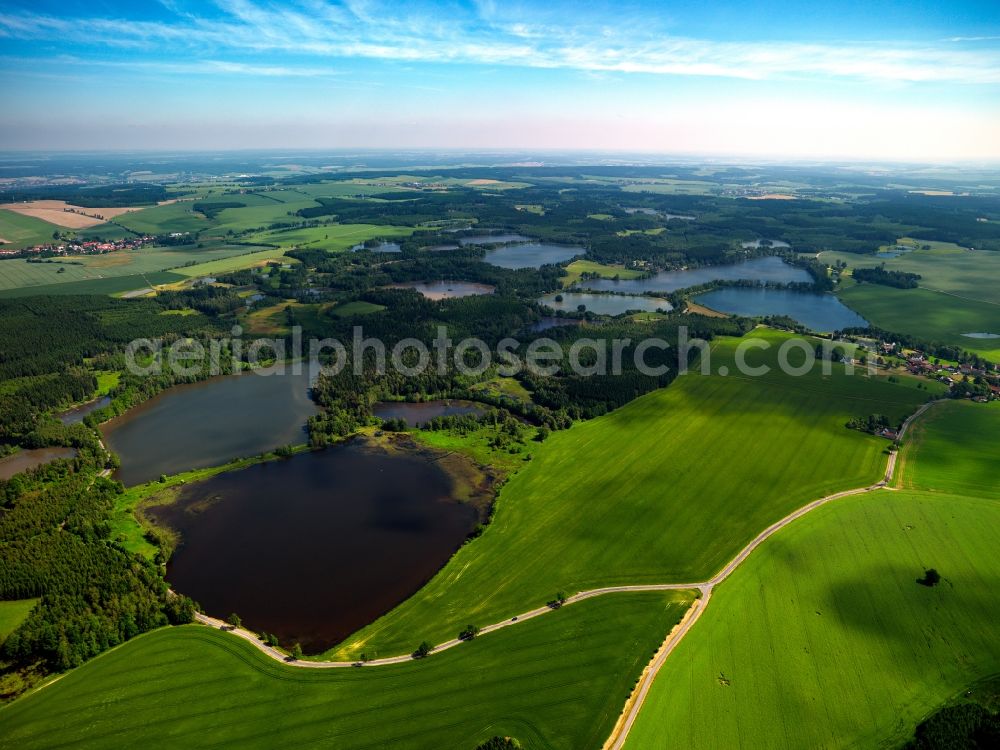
(493, 239)
(604, 304)
(29, 458)
(766, 269)
(382, 247)
(416, 414)
(316, 546)
(77, 413)
(818, 312)
(547, 322)
(981, 335)
(531, 255)
(446, 289)
(210, 423)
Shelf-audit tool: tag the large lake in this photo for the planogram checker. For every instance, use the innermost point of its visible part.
(314, 547)
(210, 423)
(819, 312)
(766, 269)
(531, 255)
(604, 304)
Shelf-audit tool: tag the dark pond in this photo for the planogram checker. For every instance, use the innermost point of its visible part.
(493, 239)
(604, 304)
(314, 547)
(439, 248)
(382, 247)
(446, 289)
(209, 423)
(819, 312)
(77, 413)
(26, 459)
(769, 268)
(415, 414)
(545, 323)
(531, 255)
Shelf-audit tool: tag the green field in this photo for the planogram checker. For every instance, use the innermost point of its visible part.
(111, 285)
(579, 267)
(24, 231)
(12, 614)
(953, 449)
(357, 307)
(558, 681)
(232, 263)
(824, 639)
(945, 267)
(329, 237)
(931, 316)
(172, 217)
(687, 475)
(18, 273)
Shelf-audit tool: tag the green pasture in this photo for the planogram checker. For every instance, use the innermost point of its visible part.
(19, 273)
(823, 638)
(953, 449)
(330, 236)
(558, 681)
(171, 217)
(579, 267)
(932, 316)
(12, 614)
(24, 231)
(666, 489)
(110, 285)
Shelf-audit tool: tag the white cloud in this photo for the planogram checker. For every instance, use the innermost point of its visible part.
(361, 29)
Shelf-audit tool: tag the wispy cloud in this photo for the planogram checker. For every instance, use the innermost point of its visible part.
(360, 29)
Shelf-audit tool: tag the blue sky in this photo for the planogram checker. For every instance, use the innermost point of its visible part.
(896, 80)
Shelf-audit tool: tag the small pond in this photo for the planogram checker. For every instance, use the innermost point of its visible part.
(382, 247)
(604, 304)
(446, 289)
(531, 255)
(78, 413)
(29, 458)
(493, 239)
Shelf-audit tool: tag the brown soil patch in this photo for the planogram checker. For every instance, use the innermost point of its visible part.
(483, 182)
(65, 214)
(696, 309)
(773, 197)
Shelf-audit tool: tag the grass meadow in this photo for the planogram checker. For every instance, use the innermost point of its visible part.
(932, 316)
(12, 614)
(333, 237)
(665, 489)
(579, 267)
(24, 231)
(558, 681)
(823, 638)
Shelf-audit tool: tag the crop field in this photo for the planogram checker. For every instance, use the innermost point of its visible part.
(665, 489)
(17, 273)
(953, 449)
(19, 231)
(172, 217)
(579, 267)
(233, 262)
(945, 267)
(110, 285)
(256, 215)
(331, 236)
(823, 638)
(558, 681)
(932, 316)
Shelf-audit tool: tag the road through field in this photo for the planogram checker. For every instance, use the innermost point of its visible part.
(634, 704)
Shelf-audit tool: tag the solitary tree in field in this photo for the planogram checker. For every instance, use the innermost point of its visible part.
(422, 650)
(234, 620)
(931, 578)
(297, 651)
